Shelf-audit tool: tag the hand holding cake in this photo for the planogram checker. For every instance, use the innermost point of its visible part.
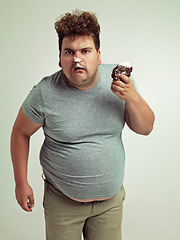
(124, 68)
(122, 85)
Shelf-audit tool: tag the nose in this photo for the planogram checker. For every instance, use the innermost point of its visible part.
(77, 55)
(76, 60)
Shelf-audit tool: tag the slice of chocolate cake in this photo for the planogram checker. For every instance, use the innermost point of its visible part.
(122, 68)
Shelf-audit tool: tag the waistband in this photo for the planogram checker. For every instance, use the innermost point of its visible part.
(48, 182)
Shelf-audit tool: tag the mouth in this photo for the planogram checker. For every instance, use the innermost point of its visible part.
(79, 68)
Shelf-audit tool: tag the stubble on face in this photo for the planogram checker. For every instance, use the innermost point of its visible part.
(81, 74)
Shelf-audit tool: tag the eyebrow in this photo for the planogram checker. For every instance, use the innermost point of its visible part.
(69, 49)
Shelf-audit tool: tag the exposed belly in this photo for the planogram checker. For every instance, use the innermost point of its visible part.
(91, 200)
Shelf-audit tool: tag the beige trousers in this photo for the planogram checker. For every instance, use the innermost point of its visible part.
(67, 219)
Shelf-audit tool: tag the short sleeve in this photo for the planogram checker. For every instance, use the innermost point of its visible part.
(33, 106)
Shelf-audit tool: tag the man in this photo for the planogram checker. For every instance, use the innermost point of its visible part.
(82, 156)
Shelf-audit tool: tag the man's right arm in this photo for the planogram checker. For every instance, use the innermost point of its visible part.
(22, 130)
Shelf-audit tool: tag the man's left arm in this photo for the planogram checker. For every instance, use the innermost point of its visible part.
(138, 115)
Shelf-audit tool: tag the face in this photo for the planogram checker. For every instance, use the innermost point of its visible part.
(79, 61)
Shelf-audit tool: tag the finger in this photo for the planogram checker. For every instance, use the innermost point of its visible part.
(119, 84)
(23, 204)
(25, 207)
(31, 201)
(117, 93)
(117, 87)
(29, 206)
(124, 78)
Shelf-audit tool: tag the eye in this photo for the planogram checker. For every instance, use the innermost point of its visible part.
(85, 51)
(69, 52)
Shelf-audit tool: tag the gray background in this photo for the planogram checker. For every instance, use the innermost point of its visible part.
(145, 33)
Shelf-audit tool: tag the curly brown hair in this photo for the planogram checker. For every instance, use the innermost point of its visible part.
(78, 23)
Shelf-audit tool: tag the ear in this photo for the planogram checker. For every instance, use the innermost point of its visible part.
(99, 57)
(60, 60)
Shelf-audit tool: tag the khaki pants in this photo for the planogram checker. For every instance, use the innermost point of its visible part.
(67, 219)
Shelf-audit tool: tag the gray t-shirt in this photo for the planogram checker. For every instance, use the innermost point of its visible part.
(82, 154)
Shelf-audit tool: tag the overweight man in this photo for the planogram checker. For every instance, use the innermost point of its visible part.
(82, 112)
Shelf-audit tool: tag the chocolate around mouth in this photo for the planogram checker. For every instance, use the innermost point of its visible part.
(79, 68)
